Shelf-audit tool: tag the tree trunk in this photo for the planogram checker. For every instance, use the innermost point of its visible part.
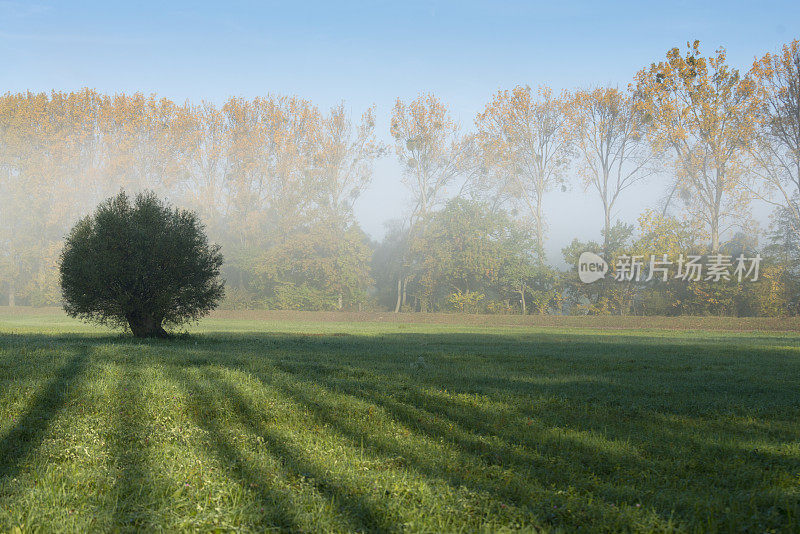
(522, 300)
(606, 230)
(399, 293)
(715, 238)
(540, 228)
(715, 214)
(340, 303)
(146, 326)
(12, 300)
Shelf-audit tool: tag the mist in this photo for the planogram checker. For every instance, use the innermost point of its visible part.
(347, 193)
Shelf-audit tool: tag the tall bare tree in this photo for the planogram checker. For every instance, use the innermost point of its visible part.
(344, 161)
(525, 146)
(343, 165)
(776, 150)
(433, 154)
(206, 139)
(608, 132)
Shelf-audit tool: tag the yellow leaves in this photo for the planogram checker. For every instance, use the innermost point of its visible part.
(523, 136)
(260, 165)
(429, 145)
(705, 112)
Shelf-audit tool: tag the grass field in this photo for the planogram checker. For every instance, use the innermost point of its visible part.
(294, 424)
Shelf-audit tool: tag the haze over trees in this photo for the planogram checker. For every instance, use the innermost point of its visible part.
(526, 148)
(776, 148)
(608, 129)
(705, 112)
(433, 154)
(274, 180)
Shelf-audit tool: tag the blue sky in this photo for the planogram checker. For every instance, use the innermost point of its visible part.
(373, 52)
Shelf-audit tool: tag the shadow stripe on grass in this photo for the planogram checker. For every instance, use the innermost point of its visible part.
(354, 507)
(276, 515)
(128, 448)
(27, 435)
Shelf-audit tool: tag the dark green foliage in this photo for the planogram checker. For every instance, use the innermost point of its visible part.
(784, 250)
(471, 257)
(141, 265)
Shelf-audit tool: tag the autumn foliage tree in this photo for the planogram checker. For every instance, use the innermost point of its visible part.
(47, 161)
(260, 173)
(776, 148)
(433, 154)
(608, 132)
(275, 180)
(525, 146)
(704, 112)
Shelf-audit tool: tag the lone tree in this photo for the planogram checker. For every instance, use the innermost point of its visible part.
(142, 264)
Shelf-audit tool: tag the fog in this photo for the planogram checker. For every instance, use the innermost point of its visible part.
(348, 128)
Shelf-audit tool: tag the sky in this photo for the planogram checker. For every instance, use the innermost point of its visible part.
(370, 53)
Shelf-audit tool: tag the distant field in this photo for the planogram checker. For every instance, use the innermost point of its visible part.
(365, 422)
(256, 319)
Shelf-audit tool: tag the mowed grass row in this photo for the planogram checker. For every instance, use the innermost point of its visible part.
(295, 426)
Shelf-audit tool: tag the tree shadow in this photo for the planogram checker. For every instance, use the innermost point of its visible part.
(130, 512)
(624, 406)
(360, 514)
(657, 396)
(207, 406)
(568, 440)
(497, 466)
(27, 435)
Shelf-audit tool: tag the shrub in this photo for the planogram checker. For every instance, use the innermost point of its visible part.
(142, 265)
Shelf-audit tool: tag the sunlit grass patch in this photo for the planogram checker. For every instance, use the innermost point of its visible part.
(372, 427)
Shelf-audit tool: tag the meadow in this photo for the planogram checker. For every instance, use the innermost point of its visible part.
(305, 423)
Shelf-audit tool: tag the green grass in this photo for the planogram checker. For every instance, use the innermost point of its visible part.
(244, 425)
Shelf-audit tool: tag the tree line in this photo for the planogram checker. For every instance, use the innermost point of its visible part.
(275, 180)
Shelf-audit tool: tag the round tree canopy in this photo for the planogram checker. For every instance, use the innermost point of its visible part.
(142, 265)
